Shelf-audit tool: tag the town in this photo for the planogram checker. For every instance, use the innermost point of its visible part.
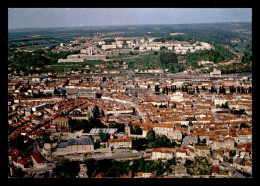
(114, 117)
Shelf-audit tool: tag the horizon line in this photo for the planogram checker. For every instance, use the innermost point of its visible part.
(93, 26)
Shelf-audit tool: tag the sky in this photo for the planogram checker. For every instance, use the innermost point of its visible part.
(74, 17)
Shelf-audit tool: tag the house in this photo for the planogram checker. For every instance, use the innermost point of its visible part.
(100, 175)
(162, 153)
(145, 174)
(214, 171)
(21, 163)
(122, 142)
(126, 176)
(62, 121)
(227, 143)
(244, 136)
(180, 154)
(239, 163)
(177, 135)
(176, 96)
(163, 129)
(37, 161)
(215, 72)
(202, 150)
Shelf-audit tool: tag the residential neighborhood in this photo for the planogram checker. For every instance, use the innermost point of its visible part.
(199, 124)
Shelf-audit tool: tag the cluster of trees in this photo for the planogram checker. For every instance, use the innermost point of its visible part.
(136, 130)
(155, 141)
(166, 58)
(120, 126)
(109, 41)
(222, 90)
(236, 68)
(103, 136)
(219, 54)
(144, 62)
(86, 125)
(246, 58)
(238, 112)
(66, 169)
(113, 168)
(224, 105)
(27, 62)
(18, 143)
(232, 89)
(244, 125)
(185, 88)
(198, 166)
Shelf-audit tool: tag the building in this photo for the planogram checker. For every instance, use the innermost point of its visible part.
(40, 107)
(75, 146)
(62, 121)
(104, 130)
(122, 142)
(215, 72)
(227, 143)
(37, 161)
(202, 150)
(162, 153)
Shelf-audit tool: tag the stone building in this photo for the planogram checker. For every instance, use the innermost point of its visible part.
(227, 143)
(62, 121)
(74, 146)
(162, 153)
(123, 142)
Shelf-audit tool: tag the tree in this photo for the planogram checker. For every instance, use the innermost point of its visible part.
(243, 125)
(250, 90)
(136, 130)
(174, 105)
(188, 163)
(238, 89)
(66, 169)
(155, 52)
(167, 58)
(156, 88)
(197, 89)
(103, 137)
(96, 112)
(150, 136)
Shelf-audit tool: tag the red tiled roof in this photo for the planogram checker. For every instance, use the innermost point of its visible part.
(214, 169)
(61, 119)
(22, 162)
(37, 158)
(122, 139)
(100, 175)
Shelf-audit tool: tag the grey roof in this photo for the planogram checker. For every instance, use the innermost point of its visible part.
(76, 141)
(238, 175)
(238, 160)
(62, 145)
(104, 130)
(177, 132)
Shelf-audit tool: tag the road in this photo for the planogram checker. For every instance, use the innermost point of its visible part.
(120, 155)
(35, 148)
(41, 169)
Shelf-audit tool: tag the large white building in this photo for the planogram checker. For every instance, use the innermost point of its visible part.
(162, 153)
(123, 142)
(215, 72)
